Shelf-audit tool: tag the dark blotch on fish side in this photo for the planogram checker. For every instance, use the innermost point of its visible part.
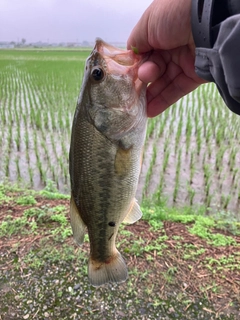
(112, 224)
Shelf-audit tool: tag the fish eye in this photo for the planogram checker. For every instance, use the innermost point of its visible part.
(97, 74)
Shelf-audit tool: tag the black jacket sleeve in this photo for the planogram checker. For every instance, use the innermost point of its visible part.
(216, 32)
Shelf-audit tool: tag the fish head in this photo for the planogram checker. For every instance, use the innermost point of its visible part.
(112, 86)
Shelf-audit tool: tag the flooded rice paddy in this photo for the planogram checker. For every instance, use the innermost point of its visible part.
(192, 151)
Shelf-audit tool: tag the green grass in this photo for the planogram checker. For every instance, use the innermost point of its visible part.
(201, 224)
(165, 256)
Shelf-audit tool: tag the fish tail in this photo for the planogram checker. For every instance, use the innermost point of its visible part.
(114, 270)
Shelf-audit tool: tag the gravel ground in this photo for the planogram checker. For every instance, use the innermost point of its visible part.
(43, 274)
(61, 291)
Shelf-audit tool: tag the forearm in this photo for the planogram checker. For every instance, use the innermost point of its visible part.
(216, 33)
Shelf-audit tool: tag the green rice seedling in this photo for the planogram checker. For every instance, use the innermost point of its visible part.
(204, 158)
(9, 139)
(18, 138)
(199, 139)
(166, 116)
(26, 139)
(179, 132)
(61, 124)
(225, 199)
(208, 134)
(207, 188)
(174, 110)
(54, 176)
(192, 167)
(235, 172)
(191, 193)
(209, 200)
(205, 124)
(171, 126)
(65, 152)
(238, 197)
(42, 172)
(161, 128)
(53, 145)
(66, 174)
(232, 158)
(45, 119)
(209, 149)
(219, 135)
(6, 166)
(25, 120)
(188, 132)
(207, 176)
(38, 122)
(18, 169)
(166, 143)
(67, 122)
(46, 154)
(3, 116)
(151, 127)
(176, 188)
(150, 169)
(219, 157)
(236, 184)
(165, 159)
(61, 163)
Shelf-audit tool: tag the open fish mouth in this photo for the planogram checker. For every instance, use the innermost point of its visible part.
(122, 57)
(117, 62)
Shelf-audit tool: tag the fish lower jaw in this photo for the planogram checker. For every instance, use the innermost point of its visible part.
(114, 270)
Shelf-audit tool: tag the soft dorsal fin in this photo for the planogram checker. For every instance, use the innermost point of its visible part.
(134, 214)
(78, 226)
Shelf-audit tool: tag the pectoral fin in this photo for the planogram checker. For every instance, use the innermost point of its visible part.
(78, 226)
(134, 213)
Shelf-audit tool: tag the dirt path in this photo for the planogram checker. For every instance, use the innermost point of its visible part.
(173, 274)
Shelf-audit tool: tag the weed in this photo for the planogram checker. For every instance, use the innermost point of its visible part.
(12, 226)
(59, 218)
(26, 200)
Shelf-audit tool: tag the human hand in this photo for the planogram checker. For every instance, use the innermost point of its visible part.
(165, 30)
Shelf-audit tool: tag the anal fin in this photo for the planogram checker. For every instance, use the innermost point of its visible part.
(134, 214)
(77, 224)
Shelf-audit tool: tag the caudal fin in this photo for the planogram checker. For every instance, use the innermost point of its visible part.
(114, 270)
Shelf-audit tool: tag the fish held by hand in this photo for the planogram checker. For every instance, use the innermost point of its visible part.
(108, 134)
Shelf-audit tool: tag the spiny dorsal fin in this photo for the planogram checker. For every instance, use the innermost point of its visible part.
(78, 226)
(134, 213)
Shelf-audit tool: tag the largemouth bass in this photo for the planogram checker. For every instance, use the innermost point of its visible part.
(108, 133)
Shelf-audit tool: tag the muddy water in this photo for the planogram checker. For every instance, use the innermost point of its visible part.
(34, 144)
